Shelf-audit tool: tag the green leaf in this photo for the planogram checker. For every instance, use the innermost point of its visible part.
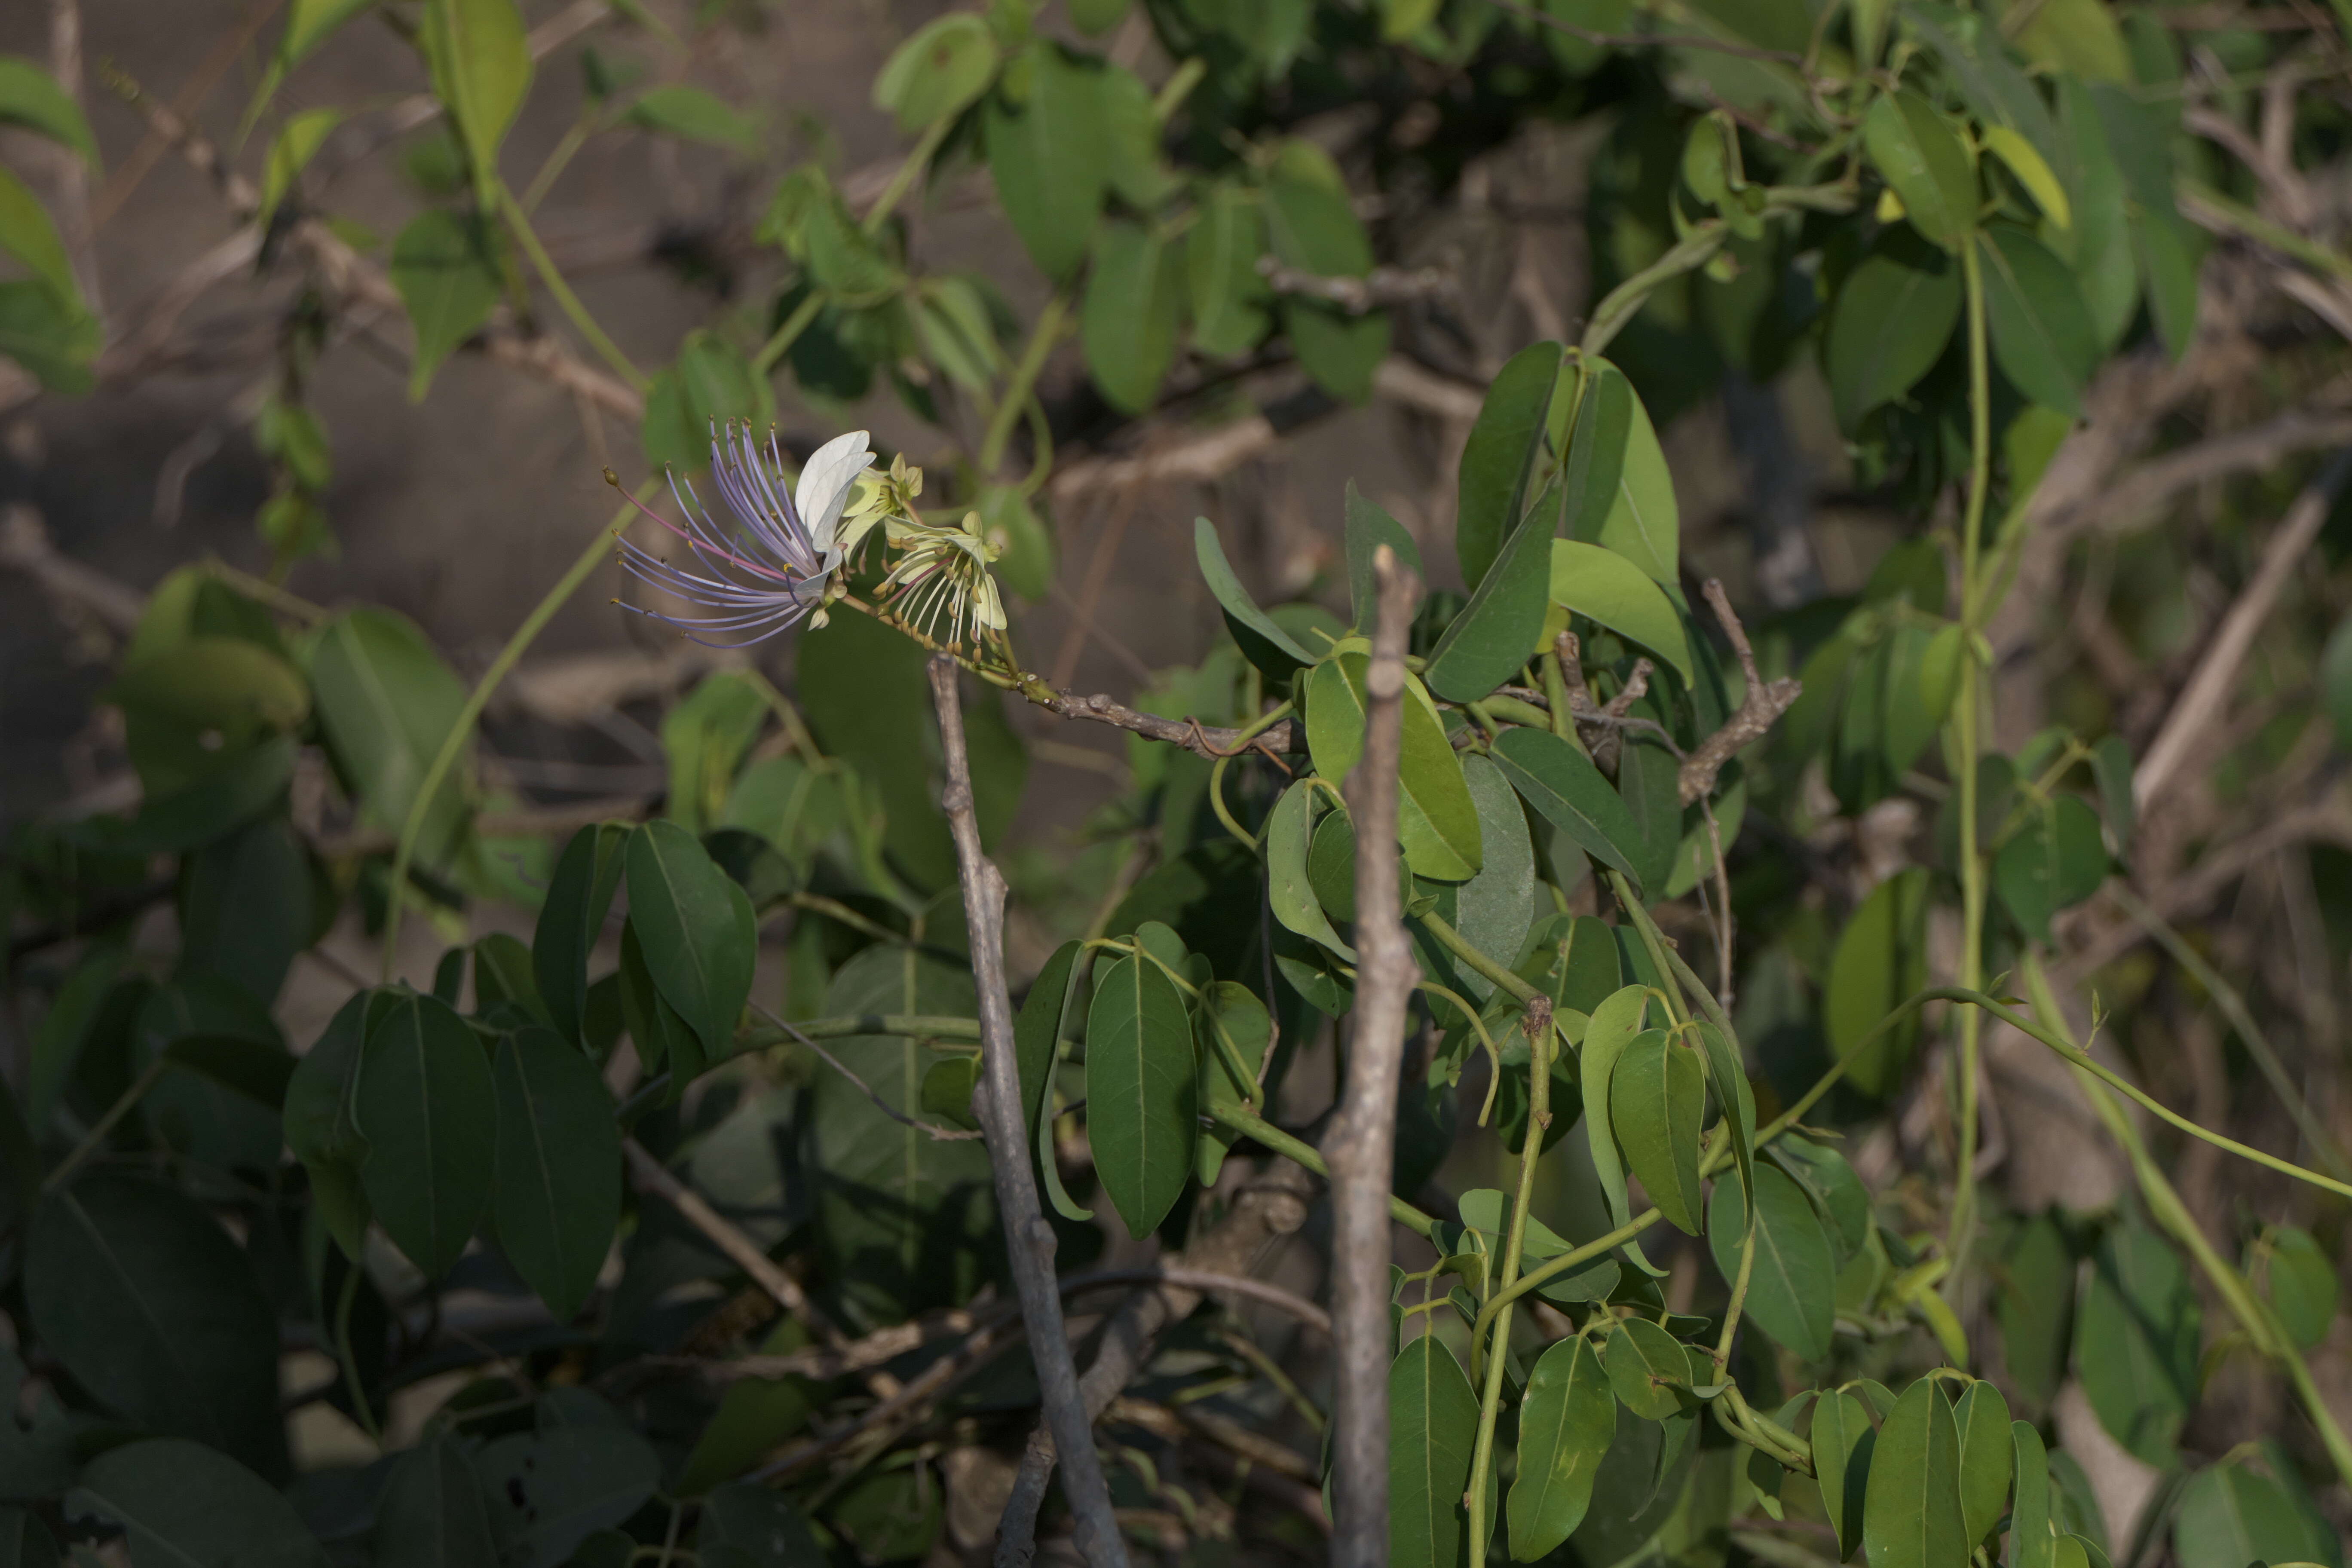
(1911, 1514)
(549, 1492)
(1269, 647)
(1492, 638)
(26, 1542)
(2033, 1544)
(316, 1118)
(706, 738)
(1982, 1416)
(711, 382)
(386, 703)
(1792, 1286)
(2136, 1341)
(2036, 1307)
(1647, 1367)
(558, 1191)
(1046, 1018)
(1616, 460)
(1492, 909)
(432, 1513)
(183, 1503)
(26, 234)
(55, 339)
(1647, 782)
(665, 1041)
(1142, 1099)
(1894, 314)
(245, 906)
(760, 1521)
(2230, 1516)
(1138, 175)
(1368, 528)
(1501, 458)
(1842, 1443)
(1612, 590)
(193, 711)
(1567, 1422)
(2055, 861)
(1287, 836)
(1881, 961)
(1340, 353)
(2075, 38)
(700, 938)
(426, 1104)
(1560, 781)
(572, 922)
(2299, 1278)
(694, 115)
(481, 69)
(942, 70)
(2033, 170)
(1048, 151)
(2042, 337)
(142, 1297)
(1615, 1024)
(1437, 823)
(1432, 1424)
(1228, 295)
(1128, 324)
(290, 154)
(31, 98)
(1657, 1097)
(1916, 152)
(1231, 1018)
(1309, 218)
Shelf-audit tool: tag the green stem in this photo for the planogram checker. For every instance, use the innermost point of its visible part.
(1621, 304)
(1654, 941)
(519, 221)
(1972, 867)
(557, 161)
(909, 171)
(1233, 1118)
(781, 340)
(1025, 376)
(1454, 943)
(360, 1407)
(1498, 1349)
(2255, 226)
(95, 1139)
(460, 731)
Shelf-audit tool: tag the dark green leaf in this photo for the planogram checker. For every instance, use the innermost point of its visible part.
(54, 338)
(426, 1103)
(2032, 1543)
(1504, 450)
(665, 1041)
(1916, 152)
(2041, 332)
(481, 64)
(1235, 1030)
(1432, 1423)
(1369, 527)
(1986, 1462)
(141, 1296)
(182, 1503)
(448, 275)
(1228, 295)
(2228, 1517)
(1911, 1514)
(2111, 766)
(2055, 860)
(2136, 1341)
(1657, 1096)
(1341, 353)
(548, 1494)
(705, 739)
(761, 1522)
(2300, 1279)
(1560, 781)
(694, 115)
(1142, 1098)
(1269, 647)
(1049, 1014)
(700, 938)
(432, 1513)
(711, 381)
(1128, 325)
(571, 921)
(1567, 1422)
(318, 1123)
(1894, 314)
(2036, 1307)
(386, 702)
(191, 708)
(1881, 961)
(31, 98)
(246, 906)
(1292, 895)
(1493, 909)
(26, 1542)
(1842, 1443)
(557, 1192)
(1048, 151)
(1648, 782)
(1493, 636)
(1619, 492)
(1647, 1369)
(1790, 1286)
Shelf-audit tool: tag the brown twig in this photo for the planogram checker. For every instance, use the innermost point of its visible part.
(1759, 710)
(1029, 1242)
(1360, 1146)
(1379, 287)
(1208, 741)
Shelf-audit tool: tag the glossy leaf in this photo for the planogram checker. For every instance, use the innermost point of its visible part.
(1560, 781)
(1843, 1442)
(1227, 296)
(571, 921)
(1791, 1285)
(1489, 642)
(2042, 337)
(1619, 493)
(1048, 151)
(1500, 458)
(942, 69)
(558, 1192)
(142, 1297)
(1610, 589)
(1657, 1096)
(1916, 152)
(1567, 1421)
(1893, 315)
(426, 1103)
(1128, 324)
(1288, 890)
(1985, 1459)
(1911, 1514)
(1269, 647)
(700, 935)
(1142, 1096)
(1647, 1368)
(181, 1502)
(432, 1513)
(1433, 1424)
(1881, 961)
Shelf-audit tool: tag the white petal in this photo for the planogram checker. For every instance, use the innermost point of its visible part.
(825, 484)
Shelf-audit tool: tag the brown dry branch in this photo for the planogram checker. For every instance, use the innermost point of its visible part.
(1029, 1239)
(1759, 710)
(1376, 289)
(1360, 1146)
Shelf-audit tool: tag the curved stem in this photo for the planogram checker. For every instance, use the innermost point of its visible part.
(461, 730)
(909, 171)
(1968, 742)
(1025, 376)
(519, 221)
(1498, 1349)
(1299, 1151)
(1454, 943)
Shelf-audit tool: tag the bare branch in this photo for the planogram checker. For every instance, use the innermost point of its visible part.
(1360, 1147)
(1759, 710)
(1029, 1238)
(1382, 287)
